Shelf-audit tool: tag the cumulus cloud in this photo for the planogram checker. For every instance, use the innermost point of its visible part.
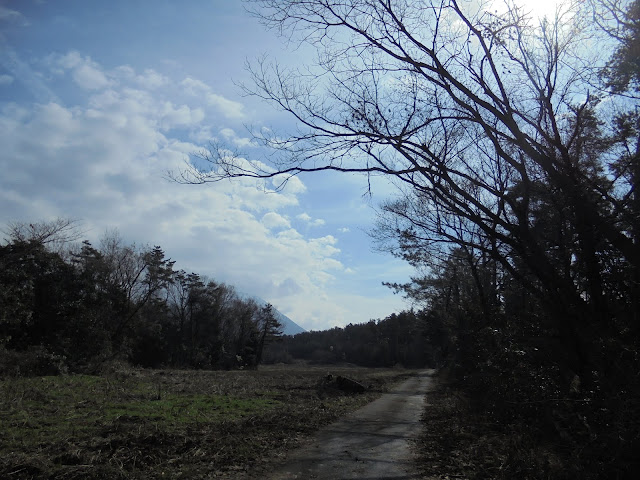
(230, 135)
(289, 184)
(201, 135)
(89, 77)
(306, 218)
(86, 73)
(274, 221)
(229, 108)
(197, 88)
(149, 79)
(176, 116)
(103, 160)
(288, 287)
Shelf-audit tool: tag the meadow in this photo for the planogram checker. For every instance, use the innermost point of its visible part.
(135, 423)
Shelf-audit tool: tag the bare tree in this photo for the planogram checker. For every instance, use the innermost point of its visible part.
(486, 120)
(133, 277)
(56, 234)
(269, 328)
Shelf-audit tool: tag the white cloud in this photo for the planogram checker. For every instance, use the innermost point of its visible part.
(103, 161)
(125, 72)
(90, 78)
(288, 183)
(70, 60)
(201, 135)
(230, 135)
(305, 217)
(13, 16)
(274, 221)
(152, 79)
(24, 74)
(180, 116)
(86, 73)
(288, 287)
(6, 80)
(149, 79)
(344, 230)
(290, 234)
(194, 87)
(229, 108)
(326, 244)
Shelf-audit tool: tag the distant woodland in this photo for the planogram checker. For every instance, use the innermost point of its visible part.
(67, 306)
(404, 339)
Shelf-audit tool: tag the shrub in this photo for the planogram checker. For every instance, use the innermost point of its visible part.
(34, 362)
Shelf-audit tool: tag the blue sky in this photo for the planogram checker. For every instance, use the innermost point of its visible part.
(99, 99)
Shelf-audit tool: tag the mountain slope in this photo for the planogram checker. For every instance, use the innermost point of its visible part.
(289, 326)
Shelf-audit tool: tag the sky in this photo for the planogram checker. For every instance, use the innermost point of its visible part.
(98, 100)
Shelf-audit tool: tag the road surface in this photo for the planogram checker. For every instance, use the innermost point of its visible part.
(371, 443)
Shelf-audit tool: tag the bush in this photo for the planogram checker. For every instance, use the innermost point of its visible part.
(34, 362)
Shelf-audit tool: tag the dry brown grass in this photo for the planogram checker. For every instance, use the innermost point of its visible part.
(135, 424)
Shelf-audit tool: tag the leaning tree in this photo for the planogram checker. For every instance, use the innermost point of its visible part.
(501, 132)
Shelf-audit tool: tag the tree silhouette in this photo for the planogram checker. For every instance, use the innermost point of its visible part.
(488, 122)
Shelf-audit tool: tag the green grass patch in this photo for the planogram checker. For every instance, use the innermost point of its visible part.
(180, 409)
(140, 424)
(39, 411)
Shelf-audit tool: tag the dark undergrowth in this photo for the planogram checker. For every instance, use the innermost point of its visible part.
(459, 440)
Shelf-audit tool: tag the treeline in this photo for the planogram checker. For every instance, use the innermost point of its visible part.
(406, 339)
(506, 348)
(69, 307)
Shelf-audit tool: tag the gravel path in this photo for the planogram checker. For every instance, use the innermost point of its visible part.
(371, 443)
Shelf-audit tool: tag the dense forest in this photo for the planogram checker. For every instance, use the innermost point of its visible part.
(405, 339)
(66, 306)
(69, 307)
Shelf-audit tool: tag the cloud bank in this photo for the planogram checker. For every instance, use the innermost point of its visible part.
(101, 155)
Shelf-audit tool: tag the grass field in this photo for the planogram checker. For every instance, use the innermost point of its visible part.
(139, 424)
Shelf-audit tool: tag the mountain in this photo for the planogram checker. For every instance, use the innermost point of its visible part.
(289, 326)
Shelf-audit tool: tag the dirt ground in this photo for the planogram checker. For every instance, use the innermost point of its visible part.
(371, 443)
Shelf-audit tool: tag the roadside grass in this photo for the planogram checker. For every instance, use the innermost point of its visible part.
(459, 442)
(134, 424)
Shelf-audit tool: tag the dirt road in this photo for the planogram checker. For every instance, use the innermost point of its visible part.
(371, 443)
